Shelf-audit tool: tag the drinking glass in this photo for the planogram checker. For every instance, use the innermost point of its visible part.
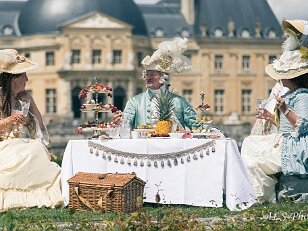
(25, 105)
(17, 127)
(114, 133)
(125, 131)
(260, 105)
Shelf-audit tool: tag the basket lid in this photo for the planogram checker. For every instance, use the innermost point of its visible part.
(108, 179)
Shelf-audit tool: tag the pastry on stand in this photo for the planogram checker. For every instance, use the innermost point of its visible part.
(96, 127)
(205, 129)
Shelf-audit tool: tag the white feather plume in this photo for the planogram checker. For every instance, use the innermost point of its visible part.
(5, 60)
(173, 48)
(290, 44)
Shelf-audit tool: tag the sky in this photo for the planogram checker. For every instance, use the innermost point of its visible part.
(289, 9)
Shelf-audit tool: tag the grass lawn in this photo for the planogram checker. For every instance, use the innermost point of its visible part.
(281, 216)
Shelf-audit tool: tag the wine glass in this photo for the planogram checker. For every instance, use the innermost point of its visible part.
(25, 105)
(18, 128)
(125, 126)
(260, 105)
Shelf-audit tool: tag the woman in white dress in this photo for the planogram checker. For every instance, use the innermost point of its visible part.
(27, 176)
(284, 151)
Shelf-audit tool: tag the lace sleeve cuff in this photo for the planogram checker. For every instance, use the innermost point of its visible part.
(301, 127)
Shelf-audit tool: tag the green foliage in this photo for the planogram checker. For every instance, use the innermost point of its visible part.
(164, 104)
(282, 216)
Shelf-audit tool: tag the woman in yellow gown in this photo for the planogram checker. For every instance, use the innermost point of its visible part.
(27, 176)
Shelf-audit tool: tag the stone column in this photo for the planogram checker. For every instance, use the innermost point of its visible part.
(64, 99)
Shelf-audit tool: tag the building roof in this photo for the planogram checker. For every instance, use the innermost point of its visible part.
(45, 16)
(244, 13)
(9, 11)
(213, 14)
(163, 19)
(167, 19)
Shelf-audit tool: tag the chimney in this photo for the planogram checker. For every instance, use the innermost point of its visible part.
(188, 11)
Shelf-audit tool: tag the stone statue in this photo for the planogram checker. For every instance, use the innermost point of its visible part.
(231, 28)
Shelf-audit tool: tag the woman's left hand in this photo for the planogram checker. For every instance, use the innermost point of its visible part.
(281, 104)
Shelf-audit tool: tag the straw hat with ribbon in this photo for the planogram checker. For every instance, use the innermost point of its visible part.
(294, 60)
(13, 63)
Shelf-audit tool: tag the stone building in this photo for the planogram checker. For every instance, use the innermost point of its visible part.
(230, 42)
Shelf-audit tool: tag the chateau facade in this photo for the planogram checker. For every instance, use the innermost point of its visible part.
(230, 43)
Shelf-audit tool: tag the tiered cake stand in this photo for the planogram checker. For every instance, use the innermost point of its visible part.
(202, 118)
(96, 127)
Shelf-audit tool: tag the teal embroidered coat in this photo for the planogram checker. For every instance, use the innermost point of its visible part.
(294, 150)
(139, 111)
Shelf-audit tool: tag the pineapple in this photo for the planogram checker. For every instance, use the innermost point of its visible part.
(164, 106)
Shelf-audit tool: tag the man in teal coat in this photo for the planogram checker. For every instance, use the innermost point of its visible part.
(168, 58)
(140, 109)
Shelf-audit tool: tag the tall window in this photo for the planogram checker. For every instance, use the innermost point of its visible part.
(75, 56)
(51, 101)
(96, 56)
(246, 62)
(219, 100)
(271, 58)
(117, 57)
(246, 100)
(28, 55)
(50, 58)
(187, 93)
(218, 62)
(139, 58)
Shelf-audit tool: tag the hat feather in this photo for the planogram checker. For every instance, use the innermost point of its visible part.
(5, 60)
(291, 43)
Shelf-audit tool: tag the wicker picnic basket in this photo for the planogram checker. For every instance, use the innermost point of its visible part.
(105, 192)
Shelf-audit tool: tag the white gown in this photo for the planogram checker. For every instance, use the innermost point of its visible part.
(27, 176)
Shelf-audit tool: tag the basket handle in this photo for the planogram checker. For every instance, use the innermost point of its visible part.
(100, 202)
(84, 201)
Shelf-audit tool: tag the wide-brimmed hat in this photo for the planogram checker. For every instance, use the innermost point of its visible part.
(14, 63)
(168, 57)
(298, 26)
(294, 60)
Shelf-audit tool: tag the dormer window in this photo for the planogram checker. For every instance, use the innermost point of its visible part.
(245, 34)
(271, 34)
(7, 30)
(218, 33)
(185, 33)
(159, 32)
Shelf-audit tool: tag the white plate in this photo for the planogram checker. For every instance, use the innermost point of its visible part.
(102, 129)
(160, 137)
(91, 129)
(93, 91)
(176, 135)
(202, 133)
(208, 135)
(88, 129)
(144, 130)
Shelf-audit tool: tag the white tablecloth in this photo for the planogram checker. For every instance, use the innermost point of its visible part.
(199, 176)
